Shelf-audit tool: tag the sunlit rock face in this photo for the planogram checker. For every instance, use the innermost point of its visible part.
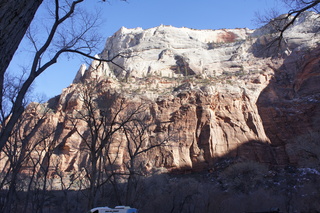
(224, 93)
(162, 50)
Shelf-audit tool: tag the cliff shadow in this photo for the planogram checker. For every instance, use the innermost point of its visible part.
(252, 151)
(289, 106)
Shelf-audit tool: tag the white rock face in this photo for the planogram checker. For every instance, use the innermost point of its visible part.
(302, 34)
(79, 74)
(169, 51)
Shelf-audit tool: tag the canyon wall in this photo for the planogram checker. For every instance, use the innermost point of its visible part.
(220, 93)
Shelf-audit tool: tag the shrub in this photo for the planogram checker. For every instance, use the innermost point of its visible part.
(243, 177)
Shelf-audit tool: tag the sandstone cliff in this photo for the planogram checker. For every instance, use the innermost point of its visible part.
(222, 93)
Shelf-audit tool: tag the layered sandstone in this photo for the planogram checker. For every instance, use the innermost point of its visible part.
(225, 93)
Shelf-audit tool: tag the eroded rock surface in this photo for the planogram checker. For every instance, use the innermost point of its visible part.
(223, 93)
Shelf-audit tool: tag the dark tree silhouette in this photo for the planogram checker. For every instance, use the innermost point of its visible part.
(80, 40)
(15, 18)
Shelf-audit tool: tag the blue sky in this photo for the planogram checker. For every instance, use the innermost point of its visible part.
(200, 14)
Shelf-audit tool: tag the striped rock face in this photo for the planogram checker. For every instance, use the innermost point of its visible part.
(208, 93)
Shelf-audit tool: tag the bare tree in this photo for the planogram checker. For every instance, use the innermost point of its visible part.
(15, 18)
(29, 137)
(103, 121)
(70, 31)
(282, 23)
(117, 136)
(138, 142)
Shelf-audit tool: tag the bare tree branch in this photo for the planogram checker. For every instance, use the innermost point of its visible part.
(37, 68)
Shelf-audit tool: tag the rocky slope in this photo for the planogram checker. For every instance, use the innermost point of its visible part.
(224, 93)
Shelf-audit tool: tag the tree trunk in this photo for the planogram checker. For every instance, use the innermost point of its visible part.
(15, 18)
